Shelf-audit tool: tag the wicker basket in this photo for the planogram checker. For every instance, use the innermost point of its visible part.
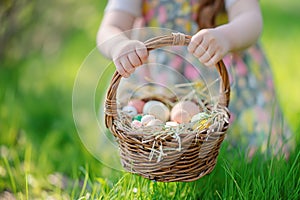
(195, 155)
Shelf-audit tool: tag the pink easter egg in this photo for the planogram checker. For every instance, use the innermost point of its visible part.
(138, 104)
(136, 124)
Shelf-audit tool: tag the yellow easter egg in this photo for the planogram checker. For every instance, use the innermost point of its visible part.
(203, 124)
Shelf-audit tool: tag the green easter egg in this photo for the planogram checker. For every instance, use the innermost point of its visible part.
(137, 117)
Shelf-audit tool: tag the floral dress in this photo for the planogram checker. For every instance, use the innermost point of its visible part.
(257, 122)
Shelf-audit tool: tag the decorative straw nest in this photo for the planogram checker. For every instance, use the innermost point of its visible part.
(174, 153)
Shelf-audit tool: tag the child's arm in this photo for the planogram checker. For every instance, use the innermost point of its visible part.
(115, 44)
(244, 28)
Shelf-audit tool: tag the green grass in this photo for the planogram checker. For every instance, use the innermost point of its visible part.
(42, 156)
(233, 178)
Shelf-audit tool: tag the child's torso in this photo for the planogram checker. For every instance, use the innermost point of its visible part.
(176, 15)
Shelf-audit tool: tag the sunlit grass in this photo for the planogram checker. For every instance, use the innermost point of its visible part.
(234, 177)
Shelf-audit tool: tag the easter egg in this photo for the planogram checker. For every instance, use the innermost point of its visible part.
(146, 119)
(157, 109)
(137, 117)
(171, 124)
(199, 116)
(190, 107)
(200, 120)
(130, 110)
(156, 124)
(138, 104)
(180, 116)
(200, 125)
(136, 124)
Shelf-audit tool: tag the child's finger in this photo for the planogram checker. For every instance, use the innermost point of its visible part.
(209, 53)
(142, 53)
(212, 49)
(200, 50)
(213, 61)
(205, 57)
(194, 43)
(120, 69)
(127, 65)
(192, 47)
(134, 59)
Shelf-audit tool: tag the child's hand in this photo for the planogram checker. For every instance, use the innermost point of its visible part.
(209, 46)
(128, 55)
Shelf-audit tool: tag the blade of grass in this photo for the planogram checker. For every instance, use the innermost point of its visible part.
(117, 184)
(231, 175)
(10, 174)
(74, 187)
(218, 194)
(26, 186)
(292, 168)
(86, 177)
(270, 168)
(27, 162)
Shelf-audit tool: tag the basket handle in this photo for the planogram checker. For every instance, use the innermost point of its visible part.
(175, 39)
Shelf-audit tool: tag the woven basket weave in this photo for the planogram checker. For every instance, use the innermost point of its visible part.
(197, 154)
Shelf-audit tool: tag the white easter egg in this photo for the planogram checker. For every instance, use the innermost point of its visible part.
(130, 110)
(171, 124)
(146, 119)
(155, 122)
(157, 109)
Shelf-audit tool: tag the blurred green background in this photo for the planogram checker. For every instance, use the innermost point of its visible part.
(43, 44)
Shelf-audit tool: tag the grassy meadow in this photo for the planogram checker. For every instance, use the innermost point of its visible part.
(42, 154)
